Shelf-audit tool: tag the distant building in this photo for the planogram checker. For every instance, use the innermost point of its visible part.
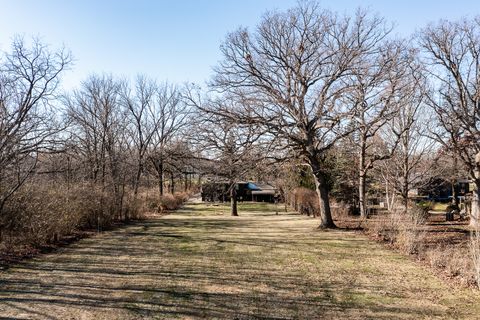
(266, 193)
(442, 190)
(246, 191)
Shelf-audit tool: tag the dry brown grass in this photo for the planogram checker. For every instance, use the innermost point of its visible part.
(453, 262)
(445, 247)
(198, 263)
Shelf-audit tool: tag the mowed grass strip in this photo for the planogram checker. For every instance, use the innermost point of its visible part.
(202, 263)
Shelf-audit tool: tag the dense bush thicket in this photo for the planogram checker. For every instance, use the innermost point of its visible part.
(39, 215)
(102, 154)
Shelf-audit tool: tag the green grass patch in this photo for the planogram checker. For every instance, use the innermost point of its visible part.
(438, 206)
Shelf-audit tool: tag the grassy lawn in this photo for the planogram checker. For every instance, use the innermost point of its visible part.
(202, 263)
(439, 206)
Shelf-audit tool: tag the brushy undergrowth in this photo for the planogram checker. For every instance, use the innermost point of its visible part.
(408, 232)
(403, 230)
(40, 215)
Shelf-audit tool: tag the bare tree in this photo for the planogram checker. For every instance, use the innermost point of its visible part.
(98, 128)
(29, 77)
(453, 58)
(412, 165)
(452, 171)
(179, 162)
(143, 124)
(231, 148)
(382, 84)
(169, 115)
(287, 77)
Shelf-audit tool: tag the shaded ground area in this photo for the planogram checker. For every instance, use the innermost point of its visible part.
(441, 232)
(200, 263)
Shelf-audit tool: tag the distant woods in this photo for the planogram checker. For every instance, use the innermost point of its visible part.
(307, 98)
(104, 152)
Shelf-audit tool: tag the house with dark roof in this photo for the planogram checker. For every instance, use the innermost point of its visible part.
(267, 193)
(246, 191)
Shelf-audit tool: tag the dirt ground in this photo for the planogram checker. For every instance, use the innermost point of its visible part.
(202, 263)
(441, 232)
(438, 232)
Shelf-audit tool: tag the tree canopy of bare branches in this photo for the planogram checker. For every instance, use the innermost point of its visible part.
(288, 75)
(231, 149)
(29, 77)
(157, 114)
(453, 59)
(384, 83)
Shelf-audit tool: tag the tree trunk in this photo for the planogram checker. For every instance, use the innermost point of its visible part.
(160, 184)
(323, 198)
(390, 192)
(362, 177)
(475, 208)
(137, 179)
(454, 194)
(172, 184)
(453, 181)
(160, 177)
(405, 182)
(233, 200)
(121, 201)
(362, 190)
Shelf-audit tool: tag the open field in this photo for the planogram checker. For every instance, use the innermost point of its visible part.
(202, 263)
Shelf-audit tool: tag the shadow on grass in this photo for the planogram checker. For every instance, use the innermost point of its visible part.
(193, 267)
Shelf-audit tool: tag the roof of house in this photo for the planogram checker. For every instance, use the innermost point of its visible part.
(265, 189)
(252, 186)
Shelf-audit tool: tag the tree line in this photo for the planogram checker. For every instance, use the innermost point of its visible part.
(317, 82)
(337, 97)
(104, 139)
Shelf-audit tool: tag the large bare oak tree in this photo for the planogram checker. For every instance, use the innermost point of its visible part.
(287, 77)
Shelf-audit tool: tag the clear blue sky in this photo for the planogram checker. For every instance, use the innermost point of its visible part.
(175, 40)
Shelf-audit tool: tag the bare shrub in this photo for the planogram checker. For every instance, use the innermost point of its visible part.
(453, 261)
(385, 227)
(411, 234)
(403, 231)
(40, 214)
(169, 202)
(306, 201)
(341, 209)
(94, 208)
(181, 197)
(146, 202)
